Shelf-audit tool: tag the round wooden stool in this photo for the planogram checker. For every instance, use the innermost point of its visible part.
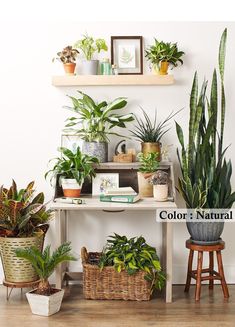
(212, 274)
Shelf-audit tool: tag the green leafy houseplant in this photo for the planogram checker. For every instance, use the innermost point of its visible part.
(21, 213)
(88, 45)
(97, 119)
(206, 174)
(149, 163)
(164, 52)
(133, 255)
(73, 165)
(67, 55)
(45, 263)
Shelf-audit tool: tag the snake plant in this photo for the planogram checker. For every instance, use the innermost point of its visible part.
(206, 174)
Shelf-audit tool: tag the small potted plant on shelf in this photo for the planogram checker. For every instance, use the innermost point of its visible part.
(150, 133)
(68, 57)
(72, 169)
(162, 54)
(127, 269)
(45, 300)
(95, 122)
(88, 45)
(23, 222)
(159, 180)
(149, 165)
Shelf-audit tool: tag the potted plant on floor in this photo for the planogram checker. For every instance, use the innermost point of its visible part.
(127, 269)
(88, 45)
(95, 122)
(148, 166)
(162, 54)
(45, 300)
(68, 58)
(72, 169)
(150, 133)
(23, 222)
(159, 180)
(206, 174)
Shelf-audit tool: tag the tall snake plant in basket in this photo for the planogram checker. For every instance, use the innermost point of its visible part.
(206, 174)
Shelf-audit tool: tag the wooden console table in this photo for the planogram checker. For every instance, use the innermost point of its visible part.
(93, 204)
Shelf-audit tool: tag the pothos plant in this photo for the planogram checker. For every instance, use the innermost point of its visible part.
(96, 120)
(133, 255)
(88, 45)
(72, 164)
(148, 163)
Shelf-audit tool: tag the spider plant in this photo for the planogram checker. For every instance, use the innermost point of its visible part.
(149, 131)
(45, 263)
(96, 119)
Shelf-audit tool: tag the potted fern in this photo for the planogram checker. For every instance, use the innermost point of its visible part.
(162, 55)
(45, 300)
(72, 169)
(95, 122)
(68, 58)
(148, 166)
(88, 45)
(23, 222)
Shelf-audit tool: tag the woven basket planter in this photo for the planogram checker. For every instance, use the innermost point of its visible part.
(108, 284)
(18, 270)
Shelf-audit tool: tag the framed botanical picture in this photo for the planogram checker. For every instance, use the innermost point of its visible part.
(104, 181)
(127, 54)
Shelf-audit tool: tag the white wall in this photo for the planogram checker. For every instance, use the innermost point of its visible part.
(32, 116)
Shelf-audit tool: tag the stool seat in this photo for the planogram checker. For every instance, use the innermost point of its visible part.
(211, 273)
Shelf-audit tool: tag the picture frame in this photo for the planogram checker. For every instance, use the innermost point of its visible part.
(104, 181)
(127, 54)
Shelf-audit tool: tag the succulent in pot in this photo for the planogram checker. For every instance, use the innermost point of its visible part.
(95, 122)
(206, 174)
(88, 45)
(72, 169)
(150, 132)
(45, 300)
(159, 180)
(68, 57)
(162, 54)
(23, 222)
(148, 166)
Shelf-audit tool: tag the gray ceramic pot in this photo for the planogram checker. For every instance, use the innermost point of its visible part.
(89, 67)
(205, 232)
(96, 149)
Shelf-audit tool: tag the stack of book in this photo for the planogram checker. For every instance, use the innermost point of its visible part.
(120, 194)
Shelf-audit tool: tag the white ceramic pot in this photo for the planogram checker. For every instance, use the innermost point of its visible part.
(160, 192)
(43, 305)
(89, 67)
(71, 188)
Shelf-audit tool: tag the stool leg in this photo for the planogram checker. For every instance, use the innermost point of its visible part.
(211, 267)
(190, 264)
(199, 273)
(221, 272)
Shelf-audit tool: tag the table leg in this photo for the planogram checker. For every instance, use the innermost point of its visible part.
(167, 241)
(59, 240)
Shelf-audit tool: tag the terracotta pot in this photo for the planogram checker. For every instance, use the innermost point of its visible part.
(164, 68)
(145, 189)
(71, 188)
(69, 68)
(147, 147)
(160, 192)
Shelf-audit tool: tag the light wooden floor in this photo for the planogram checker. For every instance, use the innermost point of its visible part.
(76, 312)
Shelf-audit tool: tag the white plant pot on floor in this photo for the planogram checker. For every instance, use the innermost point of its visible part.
(43, 305)
(160, 192)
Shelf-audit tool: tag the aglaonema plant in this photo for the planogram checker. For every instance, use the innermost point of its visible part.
(206, 174)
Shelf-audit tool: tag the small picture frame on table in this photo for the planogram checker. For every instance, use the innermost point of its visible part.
(127, 54)
(104, 181)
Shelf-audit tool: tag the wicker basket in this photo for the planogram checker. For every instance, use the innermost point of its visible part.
(18, 270)
(108, 284)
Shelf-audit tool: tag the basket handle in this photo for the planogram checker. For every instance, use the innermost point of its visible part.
(84, 255)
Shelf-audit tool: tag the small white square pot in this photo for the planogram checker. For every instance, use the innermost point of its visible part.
(160, 192)
(43, 305)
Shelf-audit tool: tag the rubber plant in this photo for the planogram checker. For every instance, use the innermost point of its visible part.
(206, 174)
